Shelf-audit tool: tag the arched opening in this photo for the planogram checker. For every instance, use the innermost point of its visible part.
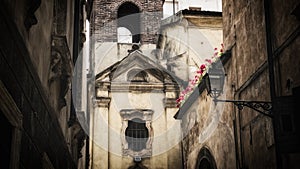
(137, 75)
(124, 35)
(205, 164)
(129, 18)
(205, 160)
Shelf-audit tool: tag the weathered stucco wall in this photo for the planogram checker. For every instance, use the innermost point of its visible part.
(206, 125)
(248, 77)
(187, 39)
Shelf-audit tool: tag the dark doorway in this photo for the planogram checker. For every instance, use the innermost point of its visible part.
(205, 160)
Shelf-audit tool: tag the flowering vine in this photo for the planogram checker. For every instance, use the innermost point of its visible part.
(199, 76)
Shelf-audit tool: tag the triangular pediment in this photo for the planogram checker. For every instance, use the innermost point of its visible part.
(137, 62)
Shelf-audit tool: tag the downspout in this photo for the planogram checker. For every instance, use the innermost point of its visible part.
(237, 161)
(182, 148)
(76, 31)
(173, 7)
(275, 120)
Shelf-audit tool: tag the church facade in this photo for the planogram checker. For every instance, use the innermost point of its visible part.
(136, 78)
(132, 120)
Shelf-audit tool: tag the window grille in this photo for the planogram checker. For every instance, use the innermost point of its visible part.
(136, 134)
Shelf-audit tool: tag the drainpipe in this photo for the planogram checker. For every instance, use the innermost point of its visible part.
(182, 148)
(173, 7)
(267, 5)
(76, 31)
(237, 161)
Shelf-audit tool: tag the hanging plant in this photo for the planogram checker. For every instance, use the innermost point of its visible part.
(199, 76)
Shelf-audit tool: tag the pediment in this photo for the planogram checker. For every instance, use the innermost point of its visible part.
(136, 64)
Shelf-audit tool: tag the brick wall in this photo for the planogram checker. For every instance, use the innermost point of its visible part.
(104, 19)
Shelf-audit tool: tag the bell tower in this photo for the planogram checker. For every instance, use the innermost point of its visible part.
(126, 21)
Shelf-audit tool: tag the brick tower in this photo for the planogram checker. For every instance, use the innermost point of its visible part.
(141, 18)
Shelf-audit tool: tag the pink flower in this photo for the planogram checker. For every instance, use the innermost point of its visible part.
(202, 67)
(185, 93)
(199, 71)
(208, 60)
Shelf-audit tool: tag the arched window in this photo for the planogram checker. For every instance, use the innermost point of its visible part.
(129, 18)
(205, 160)
(124, 35)
(137, 75)
(137, 134)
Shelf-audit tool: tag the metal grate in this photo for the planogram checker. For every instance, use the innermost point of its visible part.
(136, 134)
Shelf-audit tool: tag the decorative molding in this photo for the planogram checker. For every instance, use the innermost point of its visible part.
(80, 136)
(59, 17)
(143, 114)
(30, 18)
(136, 86)
(171, 87)
(123, 136)
(103, 85)
(79, 126)
(60, 67)
(170, 103)
(150, 139)
(102, 102)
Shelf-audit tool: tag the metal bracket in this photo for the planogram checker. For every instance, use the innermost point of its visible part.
(262, 107)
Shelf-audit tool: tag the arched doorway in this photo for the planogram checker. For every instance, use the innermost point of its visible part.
(205, 160)
(129, 17)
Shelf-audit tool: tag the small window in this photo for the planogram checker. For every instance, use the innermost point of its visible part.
(137, 134)
(124, 35)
